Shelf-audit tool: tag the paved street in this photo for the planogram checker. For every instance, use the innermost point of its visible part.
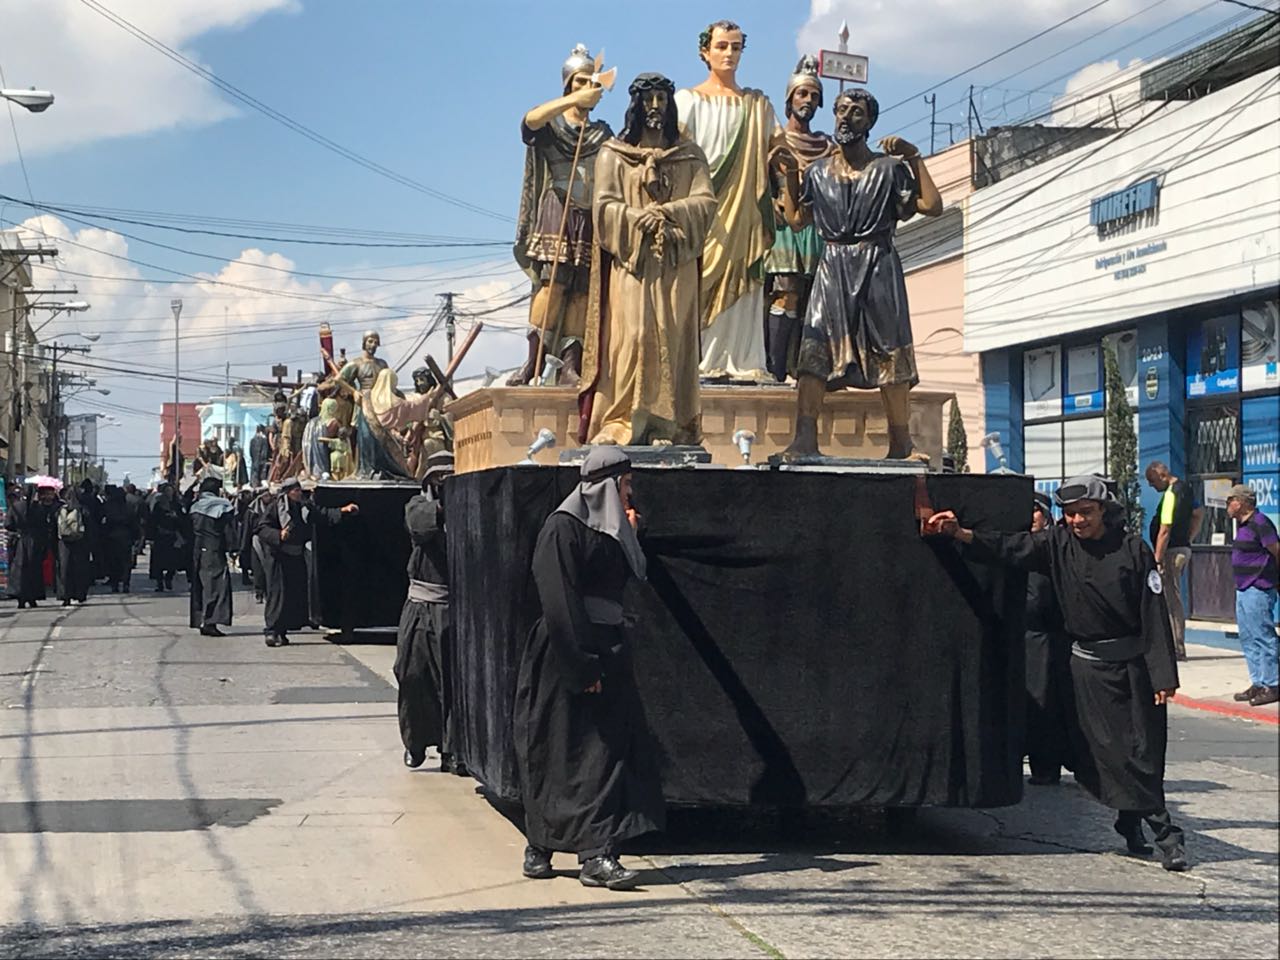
(165, 794)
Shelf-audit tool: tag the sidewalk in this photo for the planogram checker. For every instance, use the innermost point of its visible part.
(1214, 671)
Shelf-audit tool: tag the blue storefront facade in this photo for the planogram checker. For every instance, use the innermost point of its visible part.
(1152, 243)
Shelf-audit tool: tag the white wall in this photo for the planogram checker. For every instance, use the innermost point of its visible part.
(1032, 257)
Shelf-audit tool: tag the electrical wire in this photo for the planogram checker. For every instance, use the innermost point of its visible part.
(283, 119)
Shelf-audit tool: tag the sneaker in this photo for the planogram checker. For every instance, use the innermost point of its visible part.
(1264, 696)
(1173, 857)
(607, 872)
(537, 863)
(1244, 696)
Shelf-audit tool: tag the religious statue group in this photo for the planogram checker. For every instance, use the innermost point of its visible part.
(653, 251)
(357, 423)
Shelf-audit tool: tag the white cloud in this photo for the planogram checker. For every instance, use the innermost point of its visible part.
(1103, 94)
(106, 82)
(269, 317)
(930, 37)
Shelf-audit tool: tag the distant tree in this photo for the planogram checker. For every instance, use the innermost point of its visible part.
(1122, 444)
(957, 439)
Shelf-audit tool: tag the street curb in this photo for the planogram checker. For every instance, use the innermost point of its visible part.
(1244, 711)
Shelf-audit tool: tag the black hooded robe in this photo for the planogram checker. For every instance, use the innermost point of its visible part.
(587, 763)
(1121, 653)
(284, 562)
(421, 639)
(74, 571)
(119, 532)
(1048, 681)
(164, 539)
(32, 530)
(212, 538)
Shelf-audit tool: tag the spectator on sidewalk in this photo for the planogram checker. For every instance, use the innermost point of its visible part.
(1175, 524)
(1255, 564)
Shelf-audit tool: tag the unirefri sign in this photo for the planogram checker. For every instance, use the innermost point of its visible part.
(1179, 209)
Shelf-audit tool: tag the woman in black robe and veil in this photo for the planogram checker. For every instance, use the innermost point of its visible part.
(587, 768)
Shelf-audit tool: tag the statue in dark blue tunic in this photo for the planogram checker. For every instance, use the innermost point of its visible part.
(857, 330)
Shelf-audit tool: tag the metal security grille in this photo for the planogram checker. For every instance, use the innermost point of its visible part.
(1213, 438)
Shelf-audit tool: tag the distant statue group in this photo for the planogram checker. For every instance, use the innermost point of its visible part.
(707, 243)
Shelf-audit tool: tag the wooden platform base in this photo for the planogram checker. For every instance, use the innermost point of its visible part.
(493, 427)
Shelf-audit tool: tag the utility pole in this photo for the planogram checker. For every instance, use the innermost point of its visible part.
(19, 255)
(55, 416)
(175, 461)
(226, 391)
(933, 121)
(450, 322)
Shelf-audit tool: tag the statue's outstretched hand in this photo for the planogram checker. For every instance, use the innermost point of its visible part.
(896, 146)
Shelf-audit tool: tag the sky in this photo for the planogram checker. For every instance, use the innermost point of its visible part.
(417, 105)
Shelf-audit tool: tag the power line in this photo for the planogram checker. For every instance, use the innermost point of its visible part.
(74, 213)
(297, 127)
(997, 56)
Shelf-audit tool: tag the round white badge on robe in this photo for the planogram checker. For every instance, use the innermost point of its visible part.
(1154, 583)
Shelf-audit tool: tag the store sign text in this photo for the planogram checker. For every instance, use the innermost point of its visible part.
(1131, 257)
(1130, 208)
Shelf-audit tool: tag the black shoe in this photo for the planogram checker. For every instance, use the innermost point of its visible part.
(273, 640)
(414, 760)
(1173, 857)
(537, 863)
(1264, 696)
(66, 603)
(284, 639)
(211, 631)
(1134, 838)
(607, 872)
(32, 604)
(1244, 696)
(451, 764)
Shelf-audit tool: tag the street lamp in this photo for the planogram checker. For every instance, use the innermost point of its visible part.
(70, 306)
(37, 101)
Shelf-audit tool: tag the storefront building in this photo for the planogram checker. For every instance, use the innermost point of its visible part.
(1163, 241)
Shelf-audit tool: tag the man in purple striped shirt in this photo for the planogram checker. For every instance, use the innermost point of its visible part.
(1255, 564)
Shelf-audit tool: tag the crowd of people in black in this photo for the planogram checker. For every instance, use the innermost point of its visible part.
(64, 540)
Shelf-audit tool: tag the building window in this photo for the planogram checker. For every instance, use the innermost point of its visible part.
(1064, 402)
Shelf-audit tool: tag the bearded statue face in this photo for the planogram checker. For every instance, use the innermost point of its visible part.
(853, 120)
(655, 108)
(371, 344)
(804, 102)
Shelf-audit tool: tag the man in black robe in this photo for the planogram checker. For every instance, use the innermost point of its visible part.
(251, 545)
(212, 538)
(163, 531)
(284, 530)
(32, 527)
(1123, 669)
(1048, 653)
(424, 621)
(260, 455)
(74, 569)
(119, 532)
(587, 769)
